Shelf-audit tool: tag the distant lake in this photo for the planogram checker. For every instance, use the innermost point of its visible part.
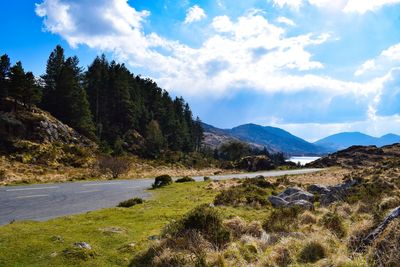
(303, 160)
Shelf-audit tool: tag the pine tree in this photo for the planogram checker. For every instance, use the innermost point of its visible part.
(51, 95)
(17, 83)
(75, 111)
(32, 93)
(4, 75)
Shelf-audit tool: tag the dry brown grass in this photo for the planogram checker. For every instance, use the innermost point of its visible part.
(20, 173)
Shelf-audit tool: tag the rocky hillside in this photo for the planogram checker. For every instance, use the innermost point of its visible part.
(359, 156)
(31, 135)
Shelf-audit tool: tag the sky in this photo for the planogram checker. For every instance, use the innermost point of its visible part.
(312, 67)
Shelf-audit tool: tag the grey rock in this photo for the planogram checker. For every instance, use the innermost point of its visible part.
(277, 202)
(318, 189)
(394, 214)
(83, 245)
(301, 195)
(290, 191)
(302, 204)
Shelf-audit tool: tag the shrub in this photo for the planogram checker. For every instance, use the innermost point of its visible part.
(75, 253)
(307, 218)
(3, 175)
(130, 202)
(312, 252)
(258, 181)
(333, 222)
(207, 179)
(282, 220)
(115, 165)
(161, 181)
(185, 179)
(204, 219)
(242, 195)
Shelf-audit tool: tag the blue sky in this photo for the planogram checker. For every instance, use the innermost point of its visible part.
(313, 67)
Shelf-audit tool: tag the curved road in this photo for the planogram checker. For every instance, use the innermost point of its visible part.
(43, 202)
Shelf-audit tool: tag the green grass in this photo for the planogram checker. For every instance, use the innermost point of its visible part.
(34, 243)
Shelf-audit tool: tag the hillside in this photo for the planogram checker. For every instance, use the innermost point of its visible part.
(274, 139)
(359, 157)
(342, 141)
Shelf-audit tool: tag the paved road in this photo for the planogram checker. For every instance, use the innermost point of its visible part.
(43, 202)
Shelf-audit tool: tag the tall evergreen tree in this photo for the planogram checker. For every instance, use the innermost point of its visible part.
(75, 111)
(17, 83)
(51, 95)
(4, 75)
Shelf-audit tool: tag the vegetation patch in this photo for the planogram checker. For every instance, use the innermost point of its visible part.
(185, 179)
(162, 180)
(243, 196)
(312, 252)
(282, 220)
(130, 202)
(333, 222)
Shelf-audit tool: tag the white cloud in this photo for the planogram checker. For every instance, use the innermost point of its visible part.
(363, 6)
(195, 13)
(249, 52)
(295, 4)
(387, 59)
(286, 21)
(367, 66)
(347, 6)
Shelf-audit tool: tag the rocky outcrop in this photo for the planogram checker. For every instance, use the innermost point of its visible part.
(294, 196)
(356, 156)
(38, 126)
(255, 163)
(330, 194)
(394, 214)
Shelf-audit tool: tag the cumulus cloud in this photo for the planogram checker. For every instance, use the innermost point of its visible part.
(362, 6)
(194, 13)
(386, 60)
(347, 6)
(249, 52)
(286, 21)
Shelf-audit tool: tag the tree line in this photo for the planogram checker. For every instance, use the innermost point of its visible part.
(107, 103)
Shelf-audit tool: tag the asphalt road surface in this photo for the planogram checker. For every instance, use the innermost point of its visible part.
(46, 201)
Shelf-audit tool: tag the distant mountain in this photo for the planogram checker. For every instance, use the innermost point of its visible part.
(274, 139)
(345, 140)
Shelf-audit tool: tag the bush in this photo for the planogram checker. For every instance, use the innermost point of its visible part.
(334, 223)
(204, 219)
(185, 179)
(312, 252)
(259, 182)
(207, 179)
(115, 165)
(282, 220)
(130, 202)
(3, 175)
(242, 195)
(161, 181)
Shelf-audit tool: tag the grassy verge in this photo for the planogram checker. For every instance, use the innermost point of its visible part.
(115, 234)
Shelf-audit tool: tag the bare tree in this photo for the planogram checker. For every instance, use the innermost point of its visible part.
(114, 165)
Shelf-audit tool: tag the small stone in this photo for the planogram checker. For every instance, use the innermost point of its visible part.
(82, 245)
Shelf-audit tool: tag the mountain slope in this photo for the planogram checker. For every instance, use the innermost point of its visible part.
(344, 140)
(275, 139)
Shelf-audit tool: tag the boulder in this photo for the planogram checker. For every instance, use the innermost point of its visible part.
(304, 204)
(300, 196)
(318, 189)
(277, 202)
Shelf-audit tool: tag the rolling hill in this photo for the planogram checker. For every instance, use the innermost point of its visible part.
(345, 140)
(274, 139)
